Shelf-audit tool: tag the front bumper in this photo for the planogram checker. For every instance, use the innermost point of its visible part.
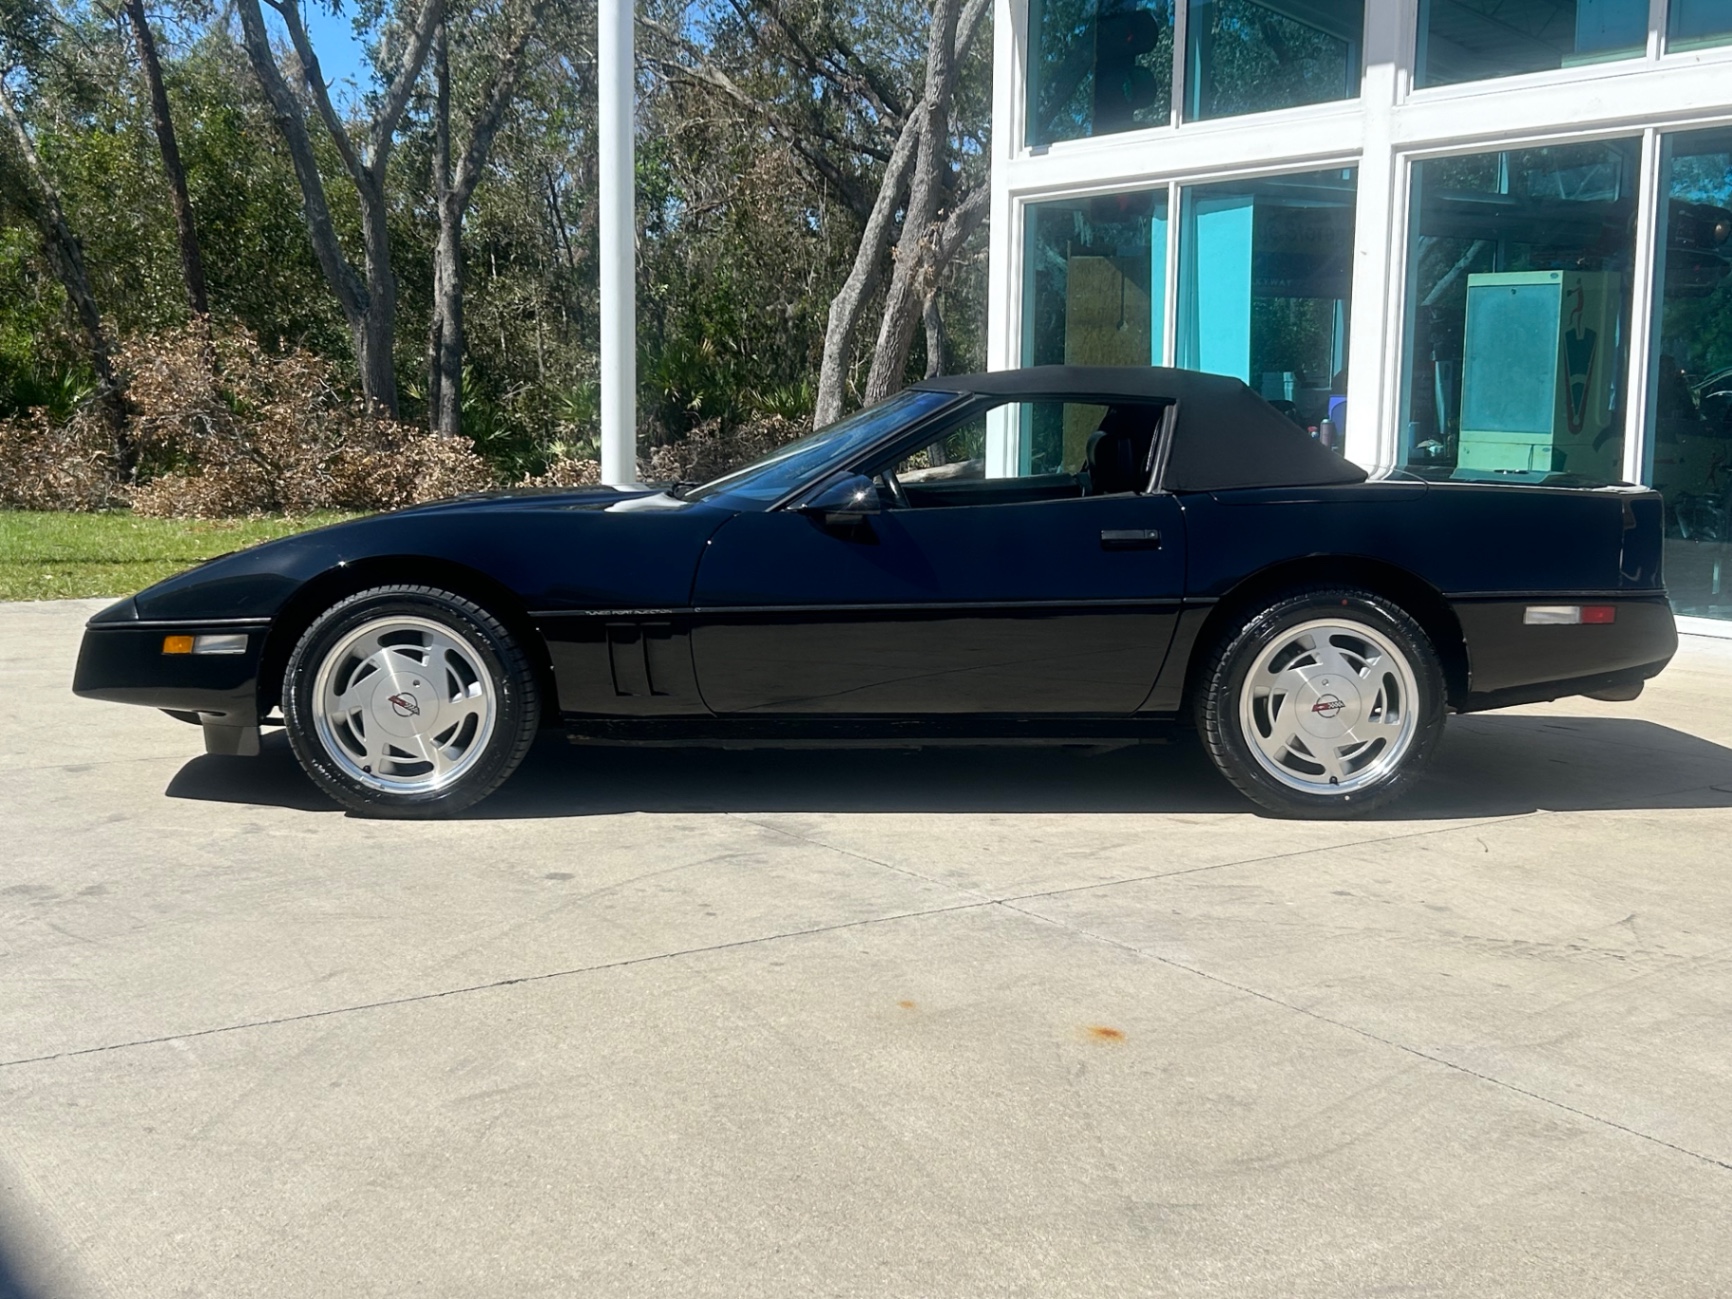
(123, 662)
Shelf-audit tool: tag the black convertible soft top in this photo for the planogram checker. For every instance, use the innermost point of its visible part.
(1226, 436)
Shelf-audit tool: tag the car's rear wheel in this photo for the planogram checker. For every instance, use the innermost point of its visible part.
(1323, 703)
(409, 701)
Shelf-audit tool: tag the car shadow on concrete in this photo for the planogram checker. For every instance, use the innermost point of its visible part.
(1489, 765)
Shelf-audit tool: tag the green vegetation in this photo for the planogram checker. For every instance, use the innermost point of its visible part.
(63, 556)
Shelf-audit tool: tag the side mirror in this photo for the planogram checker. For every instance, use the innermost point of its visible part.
(849, 498)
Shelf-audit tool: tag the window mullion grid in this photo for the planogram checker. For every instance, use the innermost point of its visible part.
(1170, 307)
(1181, 34)
(1638, 385)
(1656, 28)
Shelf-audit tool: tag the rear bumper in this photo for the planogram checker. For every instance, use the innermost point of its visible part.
(124, 663)
(1512, 663)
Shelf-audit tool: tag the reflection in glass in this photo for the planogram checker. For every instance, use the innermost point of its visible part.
(1095, 271)
(1518, 297)
(1265, 279)
(1690, 404)
(1098, 67)
(1243, 56)
(1694, 23)
(1469, 40)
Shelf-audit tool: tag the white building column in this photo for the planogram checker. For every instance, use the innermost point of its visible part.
(617, 77)
(1379, 244)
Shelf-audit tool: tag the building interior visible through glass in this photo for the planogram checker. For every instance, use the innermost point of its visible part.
(1692, 23)
(1691, 357)
(1265, 282)
(1468, 40)
(1094, 273)
(1276, 255)
(1518, 311)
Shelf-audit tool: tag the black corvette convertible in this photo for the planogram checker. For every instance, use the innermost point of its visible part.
(1052, 554)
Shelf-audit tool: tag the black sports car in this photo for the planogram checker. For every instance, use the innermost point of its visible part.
(1061, 554)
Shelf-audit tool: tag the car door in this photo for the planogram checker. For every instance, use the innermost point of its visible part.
(1014, 595)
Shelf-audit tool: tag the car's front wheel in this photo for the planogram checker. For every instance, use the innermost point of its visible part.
(409, 701)
(1322, 704)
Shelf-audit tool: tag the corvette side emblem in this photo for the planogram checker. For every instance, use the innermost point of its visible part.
(1328, 706)
(404, 705)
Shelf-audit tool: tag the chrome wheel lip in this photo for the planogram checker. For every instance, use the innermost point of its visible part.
(1354, 710)
(396, 747)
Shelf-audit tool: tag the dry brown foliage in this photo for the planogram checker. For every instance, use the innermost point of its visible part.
(234, 430)
(49, 466)
(707, 452)
(567, 471)
(274, 434)
(710, 450)
(231, 431)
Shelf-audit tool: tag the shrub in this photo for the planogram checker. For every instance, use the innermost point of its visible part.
(262, 434)
(566, 471)
(708, 451)
(713, 449)
(46, 465)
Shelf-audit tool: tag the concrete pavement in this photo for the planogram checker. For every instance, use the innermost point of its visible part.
(946, 1023)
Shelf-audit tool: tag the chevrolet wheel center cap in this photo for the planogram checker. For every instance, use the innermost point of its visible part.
(1328, 706)
(402, 706)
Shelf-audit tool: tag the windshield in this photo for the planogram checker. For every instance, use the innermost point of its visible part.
(785, 468)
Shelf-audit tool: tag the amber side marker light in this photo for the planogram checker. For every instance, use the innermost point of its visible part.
(1570, 615)
(217, 643)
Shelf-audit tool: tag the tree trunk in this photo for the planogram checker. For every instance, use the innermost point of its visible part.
(191, 264)
(445, 343)
(850, 301)
(66, 255)
(447, 412)
(936, 340)
(452, 193)
(925, 192)
(369, 304)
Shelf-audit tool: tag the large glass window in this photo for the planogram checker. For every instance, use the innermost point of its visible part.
(1691, 23)
(1095, 274)
(1690, 406)
(1468, 40)
(1518, 294)
(1097, 67)
(1249, 56)
(1265, 279)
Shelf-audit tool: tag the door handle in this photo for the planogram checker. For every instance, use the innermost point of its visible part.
(1130, 538)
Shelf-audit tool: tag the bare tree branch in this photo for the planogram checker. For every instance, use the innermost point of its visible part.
(315, 209)
(290, 12)
(390, 114)
(498, 97)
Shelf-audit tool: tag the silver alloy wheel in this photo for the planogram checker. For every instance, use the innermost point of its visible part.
(403, 705)
(1329, 707)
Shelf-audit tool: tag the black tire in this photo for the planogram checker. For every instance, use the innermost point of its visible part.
(332, 754)
(1299, 783)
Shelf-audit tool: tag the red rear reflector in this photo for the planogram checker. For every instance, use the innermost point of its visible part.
(1599, 613)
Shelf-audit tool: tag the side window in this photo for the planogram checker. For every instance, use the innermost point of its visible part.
(1028, 451)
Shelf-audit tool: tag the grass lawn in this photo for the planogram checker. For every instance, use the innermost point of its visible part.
(62, 556)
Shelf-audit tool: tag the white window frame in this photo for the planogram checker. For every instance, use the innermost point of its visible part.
(1382, 133)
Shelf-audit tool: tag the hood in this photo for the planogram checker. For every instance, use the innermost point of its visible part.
(542, 498)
